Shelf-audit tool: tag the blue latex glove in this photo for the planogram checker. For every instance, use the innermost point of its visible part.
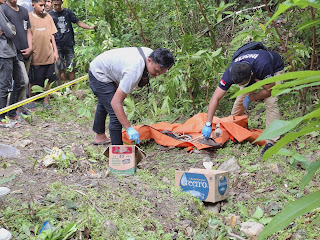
(133, 135)
(246, 102)
(206, 132)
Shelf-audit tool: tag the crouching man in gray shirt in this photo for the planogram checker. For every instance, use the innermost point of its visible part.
(112, 76)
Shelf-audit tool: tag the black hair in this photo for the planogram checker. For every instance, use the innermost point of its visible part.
(163, 57)
(240, 72)
(35, 1)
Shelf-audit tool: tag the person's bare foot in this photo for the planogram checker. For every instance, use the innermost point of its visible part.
(101, 139)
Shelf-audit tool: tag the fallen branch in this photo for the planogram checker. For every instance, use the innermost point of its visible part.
(96, 207)
(235, 236)
(231, 15)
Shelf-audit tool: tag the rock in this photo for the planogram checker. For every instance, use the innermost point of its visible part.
(9, 171)
(77, 150)
(213, 207)
(299, 235)
(196, 151)
(272, 208)
(208, 165)
(193, 209)
(185, 223)
(251, 229)
(166, 180)
(7, 151)
(23, 143)
(230, 165)
(275, 168)
(111, 230)
(48, 161)
(16, 135)
(189, 231)
(80, 94)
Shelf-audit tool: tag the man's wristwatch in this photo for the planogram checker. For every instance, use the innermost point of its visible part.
(208, 124)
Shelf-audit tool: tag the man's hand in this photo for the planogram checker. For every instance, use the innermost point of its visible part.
(206, 132)
(246, 102)
(26, 52)
(133, 135)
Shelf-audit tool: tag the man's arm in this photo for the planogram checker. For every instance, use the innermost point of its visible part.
(214, 102)
(85, 26)
(55, 50)
(117, 106)
(27, 52)
(262, 94)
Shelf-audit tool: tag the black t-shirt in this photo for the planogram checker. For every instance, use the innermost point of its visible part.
(264, 64)
(63, 21)
(20, 19)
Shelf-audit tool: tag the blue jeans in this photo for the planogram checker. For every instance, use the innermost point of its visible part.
(105, 92)
(10, 69)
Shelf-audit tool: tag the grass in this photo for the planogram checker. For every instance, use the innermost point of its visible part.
(147, 205)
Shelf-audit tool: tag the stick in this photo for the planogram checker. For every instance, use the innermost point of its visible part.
(96, 207)
(235, 236)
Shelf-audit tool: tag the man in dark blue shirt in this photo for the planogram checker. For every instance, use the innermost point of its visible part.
(245, 70)
(63, 19)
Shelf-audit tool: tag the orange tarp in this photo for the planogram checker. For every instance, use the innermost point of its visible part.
(233, 127)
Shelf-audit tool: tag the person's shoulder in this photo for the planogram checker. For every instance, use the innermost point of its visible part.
(23, 9)
(68, 11)
(4, 6)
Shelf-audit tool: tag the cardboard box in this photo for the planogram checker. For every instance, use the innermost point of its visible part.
(123, 159)
(207, 185)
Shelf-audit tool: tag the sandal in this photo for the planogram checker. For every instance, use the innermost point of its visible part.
(31, 106)
(47, 106)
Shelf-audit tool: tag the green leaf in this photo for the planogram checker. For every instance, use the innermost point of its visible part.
(265, 221)
(282, 77)
(309, 24)
(278, 127)
(258, 213)
(290, 212)
(284, 152)
(312, 169)
(282, 8)
(7, 179)
(316, 221)
(243, 210)
(289, 137)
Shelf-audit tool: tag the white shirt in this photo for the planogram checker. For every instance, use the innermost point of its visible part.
(26, 3)
(124, 66)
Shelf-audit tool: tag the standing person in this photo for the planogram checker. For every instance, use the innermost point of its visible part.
(48, 6)
(19, 17)
(45, 52)
(63, 18)
(112, 76)
(9, 67)
(248, 68)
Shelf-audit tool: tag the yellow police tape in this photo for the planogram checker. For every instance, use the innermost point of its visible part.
(41, 95)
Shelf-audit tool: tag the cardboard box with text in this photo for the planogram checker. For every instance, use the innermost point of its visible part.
(123, 159)
(207, 185)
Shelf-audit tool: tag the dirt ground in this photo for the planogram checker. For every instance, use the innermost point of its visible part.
(88, 169)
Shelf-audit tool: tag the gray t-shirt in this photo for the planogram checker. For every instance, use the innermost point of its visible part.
(124, 66)
(20, 19)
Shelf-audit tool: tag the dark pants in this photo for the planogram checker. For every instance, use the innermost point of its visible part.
(10, 69)
(105, 92)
